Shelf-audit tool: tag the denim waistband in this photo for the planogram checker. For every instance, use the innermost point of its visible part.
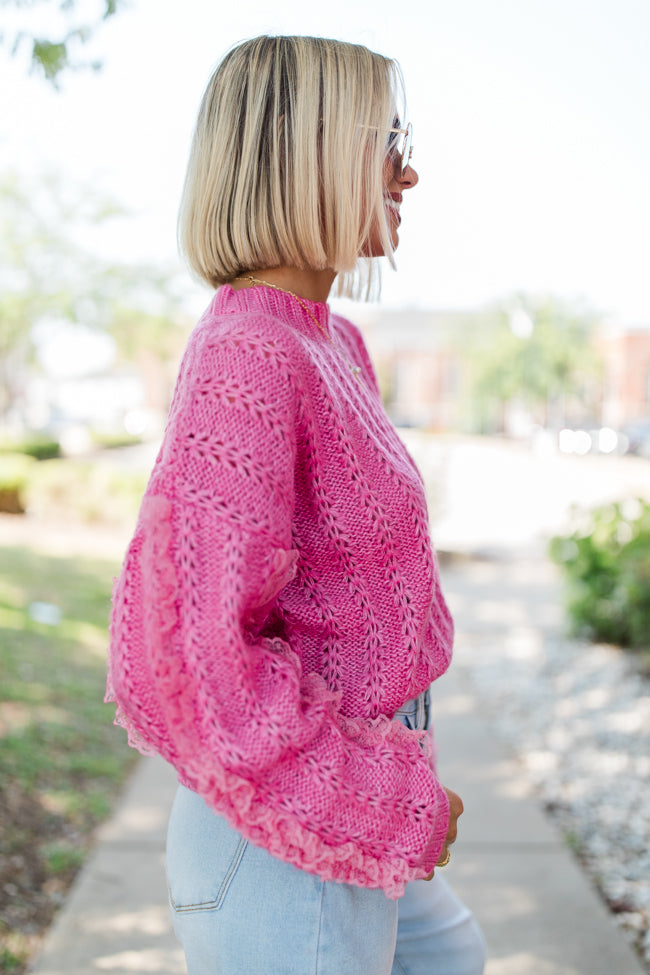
(415, 713)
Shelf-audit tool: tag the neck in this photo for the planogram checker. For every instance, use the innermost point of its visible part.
(304, 282)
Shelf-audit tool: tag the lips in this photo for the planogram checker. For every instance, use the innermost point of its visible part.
(392, 205)
(395, 214)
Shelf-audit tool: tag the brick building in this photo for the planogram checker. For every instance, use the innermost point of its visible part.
(419, 356)
(626, 385)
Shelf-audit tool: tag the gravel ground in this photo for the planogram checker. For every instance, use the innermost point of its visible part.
(578, 715)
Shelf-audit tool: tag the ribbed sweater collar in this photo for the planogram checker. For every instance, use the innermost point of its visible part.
(276, 303)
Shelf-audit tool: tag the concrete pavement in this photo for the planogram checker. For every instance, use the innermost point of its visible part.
(537, 908)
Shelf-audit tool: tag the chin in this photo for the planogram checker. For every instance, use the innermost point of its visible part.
(374, 248)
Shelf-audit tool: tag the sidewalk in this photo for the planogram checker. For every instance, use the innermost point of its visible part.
(538, 910)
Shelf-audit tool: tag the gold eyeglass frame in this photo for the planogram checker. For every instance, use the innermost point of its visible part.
(407, 145)
(406, 151)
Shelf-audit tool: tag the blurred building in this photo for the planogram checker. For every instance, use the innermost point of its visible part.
(417, 357)
(626, 381)
(422, 363)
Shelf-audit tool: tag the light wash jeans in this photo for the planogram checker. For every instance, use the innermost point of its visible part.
(239, 911)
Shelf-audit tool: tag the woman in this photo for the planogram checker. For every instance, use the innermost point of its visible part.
(279, 618)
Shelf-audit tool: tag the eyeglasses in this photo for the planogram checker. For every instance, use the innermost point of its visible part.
(401, 149)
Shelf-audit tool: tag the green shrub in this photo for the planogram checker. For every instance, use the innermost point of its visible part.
(607, 564)
(85, 491)
(41, 448)
(15, 470)
(112, 441)
(80, 490)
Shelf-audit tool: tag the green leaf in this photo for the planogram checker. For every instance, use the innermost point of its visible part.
(50, 57)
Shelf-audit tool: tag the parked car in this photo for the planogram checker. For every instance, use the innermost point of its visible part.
(589, 438)
(637, 437)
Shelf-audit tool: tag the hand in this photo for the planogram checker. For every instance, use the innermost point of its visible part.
(455, 810)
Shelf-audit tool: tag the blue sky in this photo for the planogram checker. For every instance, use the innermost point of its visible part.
(531, 122)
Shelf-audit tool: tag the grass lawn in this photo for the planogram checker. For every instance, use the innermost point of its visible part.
(62, 763)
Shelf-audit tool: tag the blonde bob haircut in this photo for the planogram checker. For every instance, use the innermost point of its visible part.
(286, 163)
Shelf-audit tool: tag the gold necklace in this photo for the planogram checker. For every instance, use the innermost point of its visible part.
(356, 370)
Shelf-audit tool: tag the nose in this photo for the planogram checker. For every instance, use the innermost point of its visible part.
(408, 179)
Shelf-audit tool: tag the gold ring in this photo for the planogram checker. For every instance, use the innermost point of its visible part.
(443, 863)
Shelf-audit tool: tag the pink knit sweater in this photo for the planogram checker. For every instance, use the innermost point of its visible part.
(280, 599)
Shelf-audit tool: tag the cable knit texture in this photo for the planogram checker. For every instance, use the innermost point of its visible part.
(280, 598)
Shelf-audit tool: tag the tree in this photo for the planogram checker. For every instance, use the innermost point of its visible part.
(49, 277)
(57, 52)
(538, 352)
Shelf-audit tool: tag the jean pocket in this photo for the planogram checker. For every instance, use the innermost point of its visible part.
(203, 855)
(206, 893)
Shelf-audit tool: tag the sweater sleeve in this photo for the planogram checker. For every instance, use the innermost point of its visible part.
(201, 675)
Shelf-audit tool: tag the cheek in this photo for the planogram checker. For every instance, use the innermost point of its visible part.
(389, 173)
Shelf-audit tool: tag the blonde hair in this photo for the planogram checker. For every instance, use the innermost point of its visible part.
(286, 161)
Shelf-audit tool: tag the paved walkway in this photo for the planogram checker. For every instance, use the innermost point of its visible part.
(539, 912)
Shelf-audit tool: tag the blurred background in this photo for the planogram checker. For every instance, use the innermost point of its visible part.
(512, 344)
